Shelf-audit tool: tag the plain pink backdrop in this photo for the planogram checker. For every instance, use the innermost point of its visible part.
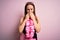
(47, 10)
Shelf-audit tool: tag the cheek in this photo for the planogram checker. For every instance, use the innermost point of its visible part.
(32, 11)
(27, 11)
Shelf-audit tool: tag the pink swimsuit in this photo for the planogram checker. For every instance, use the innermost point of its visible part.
(30, 30)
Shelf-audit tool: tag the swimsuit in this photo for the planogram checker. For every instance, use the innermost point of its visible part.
(29, 31)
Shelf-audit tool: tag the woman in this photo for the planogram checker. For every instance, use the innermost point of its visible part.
(29, 14)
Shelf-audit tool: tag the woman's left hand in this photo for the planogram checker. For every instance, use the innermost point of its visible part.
(36, 23)
(32, 16)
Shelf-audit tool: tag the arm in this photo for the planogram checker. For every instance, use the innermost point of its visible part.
(22, 23)
(36, 23)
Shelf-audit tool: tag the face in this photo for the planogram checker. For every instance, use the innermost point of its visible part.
(30, 9)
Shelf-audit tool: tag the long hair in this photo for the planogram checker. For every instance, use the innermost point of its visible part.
(25, 10)
(29, 3)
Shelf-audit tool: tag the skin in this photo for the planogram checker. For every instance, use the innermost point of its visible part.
(30, 10)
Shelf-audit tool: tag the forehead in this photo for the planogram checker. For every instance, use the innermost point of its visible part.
(30, 6)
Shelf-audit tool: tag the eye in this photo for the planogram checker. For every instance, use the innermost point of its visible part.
(31, 9)
(27, 9)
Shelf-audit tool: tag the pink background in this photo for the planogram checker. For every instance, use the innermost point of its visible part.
(47, 10)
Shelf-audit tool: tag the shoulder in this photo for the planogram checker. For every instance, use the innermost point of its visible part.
(21, 19)
(37, 18)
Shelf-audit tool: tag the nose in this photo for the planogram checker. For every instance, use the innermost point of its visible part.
(29, 11)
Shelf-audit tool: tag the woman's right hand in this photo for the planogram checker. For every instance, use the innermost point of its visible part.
(22, 23)
(27, 17)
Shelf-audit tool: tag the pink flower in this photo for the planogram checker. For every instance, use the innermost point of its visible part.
(29, 29)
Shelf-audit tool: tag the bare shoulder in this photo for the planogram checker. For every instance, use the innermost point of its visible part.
(21, 19)
(38, 18)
